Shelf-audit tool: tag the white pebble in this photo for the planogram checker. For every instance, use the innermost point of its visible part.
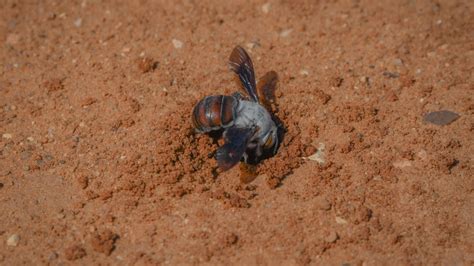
(340, 220)
(402, 163)
(13, 240)
(177, 44)
(285, 33)
(78, 22)
(7, 136)
(304, 72)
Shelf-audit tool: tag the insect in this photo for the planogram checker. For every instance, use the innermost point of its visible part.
(247, 121)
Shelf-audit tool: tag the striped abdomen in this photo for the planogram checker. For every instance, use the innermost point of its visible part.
(214, 112)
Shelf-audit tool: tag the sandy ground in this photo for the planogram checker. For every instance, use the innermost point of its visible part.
(99, 163)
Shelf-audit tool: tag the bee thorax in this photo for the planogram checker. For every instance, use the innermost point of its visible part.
(251, 114)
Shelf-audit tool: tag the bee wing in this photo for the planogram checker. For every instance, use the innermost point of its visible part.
(236, 140)
(266, 89)
(241, 64)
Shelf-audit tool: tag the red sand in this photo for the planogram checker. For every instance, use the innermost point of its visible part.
(99, 163)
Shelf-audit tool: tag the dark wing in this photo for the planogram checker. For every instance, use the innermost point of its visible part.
(236, 140)
(266, 89)
(241, 64)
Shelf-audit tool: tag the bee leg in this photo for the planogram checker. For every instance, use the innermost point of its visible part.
(275, 147)
(258, 151)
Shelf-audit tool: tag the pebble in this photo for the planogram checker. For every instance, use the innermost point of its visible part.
(422, 154)
(441, 118)
(444, 46)
(340, 220)
(331, 237)
(285, 33)
(78, 22)
(402, 164)
(398, 62)
(13, 240)
(7, 136)
(177, 43)
(304, 72)
(252, 44)
(266, 8)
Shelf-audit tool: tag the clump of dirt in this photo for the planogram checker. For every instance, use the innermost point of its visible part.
(185, 162)
(74, 252)
(104, 242)
(184, 158)
(288, 157)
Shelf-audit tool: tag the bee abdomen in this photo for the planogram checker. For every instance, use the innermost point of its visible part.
(214, 112)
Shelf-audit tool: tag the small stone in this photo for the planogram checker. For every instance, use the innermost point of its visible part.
(253, 44)
(422, 154)
(391, 75)
(177, 43)
(304, 72)
(444, 46)
(7, 136)
(340, 220)
(397, 62)
(78, 22)
(322, 203)
(402, 164)
(363, 79)
(331, 237)
(441, 118)
(13, 240)
(266, 8)
(285, 33)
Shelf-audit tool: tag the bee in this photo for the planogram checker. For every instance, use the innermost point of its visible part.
(247, 121)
